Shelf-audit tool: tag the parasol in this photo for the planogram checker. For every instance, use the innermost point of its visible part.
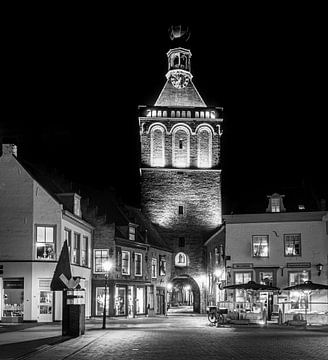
(251, 285)
(307, 286)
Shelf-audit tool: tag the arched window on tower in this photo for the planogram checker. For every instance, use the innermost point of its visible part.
(157, 157)
(181, 260)
(181, 147)
(204, 139)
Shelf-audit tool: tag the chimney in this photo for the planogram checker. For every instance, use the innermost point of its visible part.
(9, 149)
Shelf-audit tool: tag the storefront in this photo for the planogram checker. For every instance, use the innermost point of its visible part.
(12, 291)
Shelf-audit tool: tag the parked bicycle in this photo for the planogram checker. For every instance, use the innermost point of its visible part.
(215, 316)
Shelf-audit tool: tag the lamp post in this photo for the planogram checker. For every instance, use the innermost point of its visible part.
(106, 266)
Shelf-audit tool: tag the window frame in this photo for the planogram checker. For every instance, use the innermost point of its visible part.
(154, 268)
(129, 262)
(102, 257)
(268, 245)
(300, 244)
(135, 264)
(76, 241)
(53, 242)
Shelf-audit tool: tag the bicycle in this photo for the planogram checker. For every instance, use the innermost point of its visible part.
(215, 316)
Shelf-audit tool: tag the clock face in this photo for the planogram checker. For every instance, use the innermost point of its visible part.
(179, 81)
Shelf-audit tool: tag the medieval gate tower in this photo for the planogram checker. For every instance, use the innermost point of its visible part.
(180, 169)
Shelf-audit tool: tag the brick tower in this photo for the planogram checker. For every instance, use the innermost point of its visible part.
(180, 169)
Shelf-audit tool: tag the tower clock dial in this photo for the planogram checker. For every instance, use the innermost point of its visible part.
(179, 81)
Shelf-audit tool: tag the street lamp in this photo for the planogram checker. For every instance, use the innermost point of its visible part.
(106, 267)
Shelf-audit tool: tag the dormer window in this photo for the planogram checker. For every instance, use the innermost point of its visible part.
(276, 203)
(77, 206)
(132, 232)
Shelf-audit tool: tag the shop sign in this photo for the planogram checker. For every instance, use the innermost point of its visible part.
(13, 283)
(243, 266)
(299, 265)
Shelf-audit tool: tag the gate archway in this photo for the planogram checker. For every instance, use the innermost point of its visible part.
(181, 285)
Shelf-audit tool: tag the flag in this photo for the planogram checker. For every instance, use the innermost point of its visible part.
(62, 274)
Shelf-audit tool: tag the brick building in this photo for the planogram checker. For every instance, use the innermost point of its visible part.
(180, 170)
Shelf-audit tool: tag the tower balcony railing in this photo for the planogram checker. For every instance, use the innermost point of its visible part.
(210, 113)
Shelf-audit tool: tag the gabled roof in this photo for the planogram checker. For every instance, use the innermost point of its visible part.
(186, 97)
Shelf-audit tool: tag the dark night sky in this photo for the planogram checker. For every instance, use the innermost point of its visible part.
(73, 85)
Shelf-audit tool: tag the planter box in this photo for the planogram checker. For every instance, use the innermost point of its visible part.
(12, 319)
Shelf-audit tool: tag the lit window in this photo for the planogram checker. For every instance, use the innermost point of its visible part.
(180, 210)
(45, 247)
(153, 113)
(275, 204)
(188, 114)
(125, 262)
(212, 114)
(77, 206)
(76, 249)
(260, 246)
(101, 256)
(84, 251)
(196, 114)
(292, 244)
(132, 233)
(241, 278)
(207, 114)
(159, 113)
(298, 300)
(178, 113)
(299, 277)
(172, 113)
(138, 265)
(266, 278)
(154, 268)
(202, 114)
(164, 113)
(162, 265)
(183, 113)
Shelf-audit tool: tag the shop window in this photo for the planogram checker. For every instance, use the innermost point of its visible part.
(120, 300)
(85, 251)
(260, 246)
(266, 277)
(298, 299)
(162, 265)
(13, 295)
(241, 278)
(76, 249)
(150, 297)
(154, 268)
(138, 264)
(125, 262)
(100, 300)
(45, 244)
(140, 300)
(292, 244)
(100, 257)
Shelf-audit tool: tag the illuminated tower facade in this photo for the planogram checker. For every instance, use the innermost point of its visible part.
(180, 170)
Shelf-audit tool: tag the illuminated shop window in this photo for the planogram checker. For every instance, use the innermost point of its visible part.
(260, 246)
(45, 247)
(154, 268)
(292, 244)
(101, 256)
(100, 299)
(241, 278)
(266, 277)
(137, 264)
(126, 262)
(298, 299)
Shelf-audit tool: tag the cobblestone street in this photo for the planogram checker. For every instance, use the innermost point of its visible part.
(187, 337)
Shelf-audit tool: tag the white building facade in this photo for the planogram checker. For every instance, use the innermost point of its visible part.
(33, 226)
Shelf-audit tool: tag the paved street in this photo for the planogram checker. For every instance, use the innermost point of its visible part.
(173, 337)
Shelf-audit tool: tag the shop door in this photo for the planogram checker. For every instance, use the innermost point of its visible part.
(45, 301)
(160, 297)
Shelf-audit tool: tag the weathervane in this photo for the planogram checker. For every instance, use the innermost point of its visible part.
(179, 32)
